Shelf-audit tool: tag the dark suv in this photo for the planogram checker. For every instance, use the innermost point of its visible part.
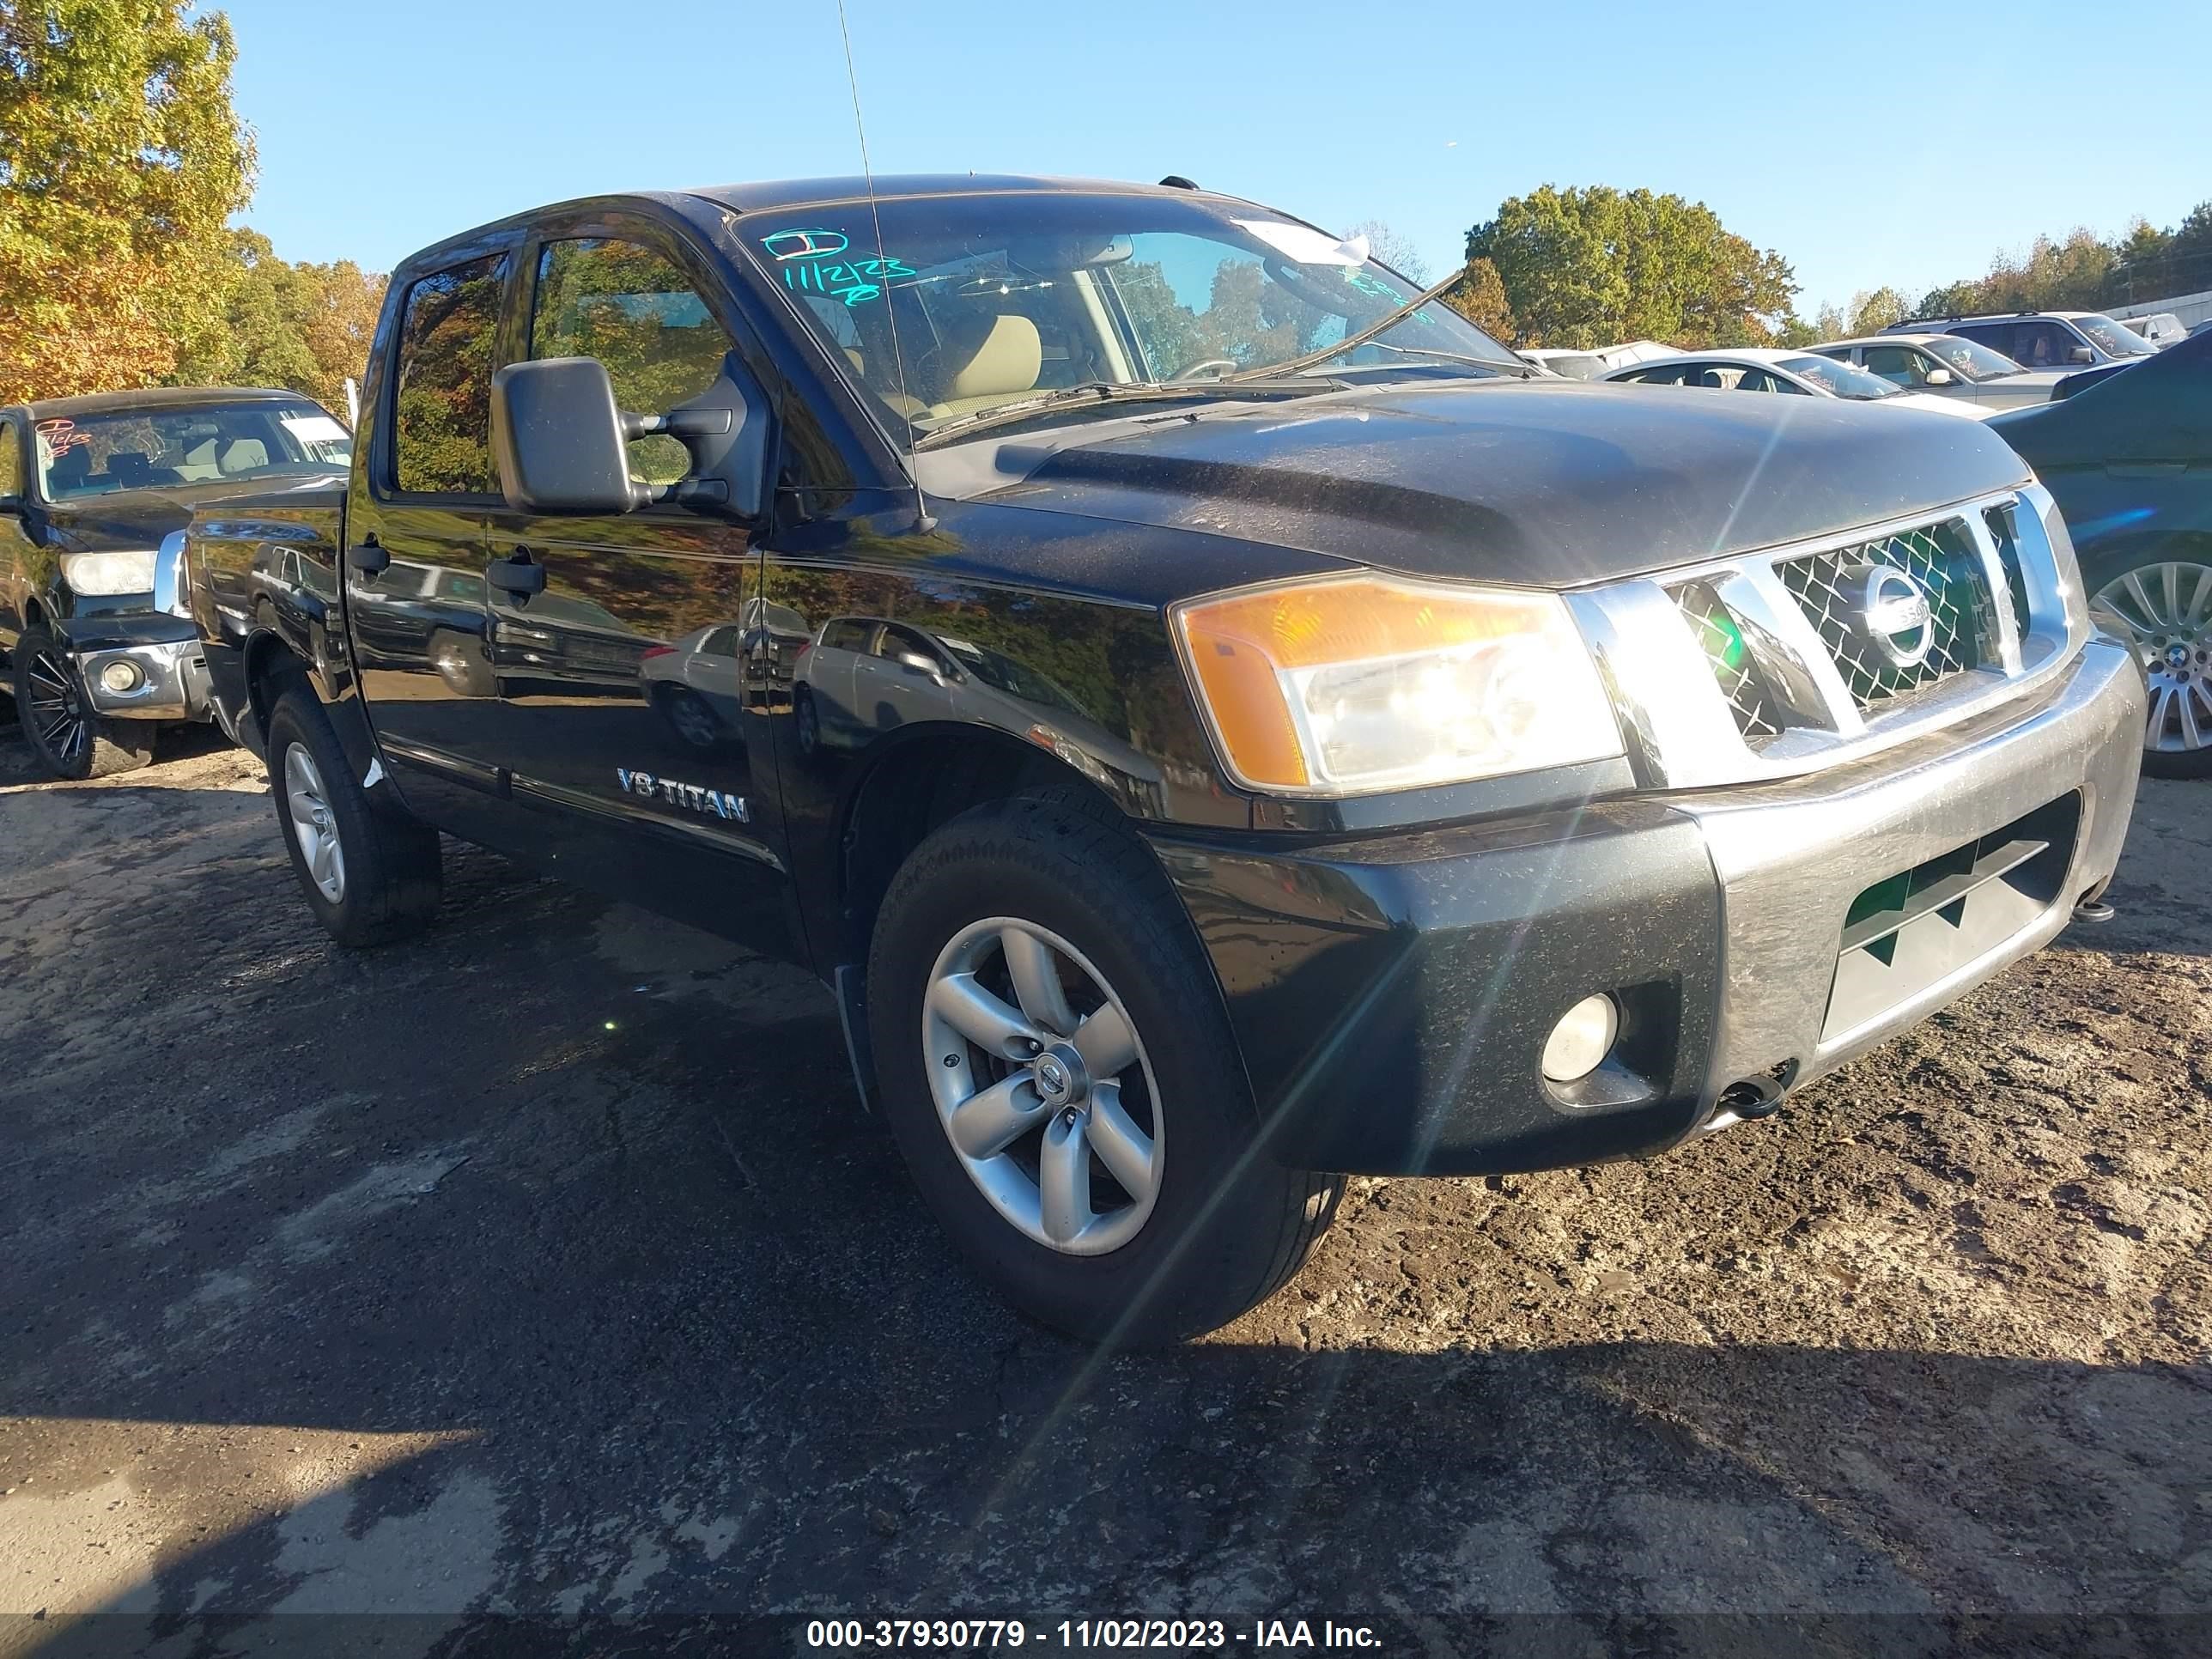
(1264, 733)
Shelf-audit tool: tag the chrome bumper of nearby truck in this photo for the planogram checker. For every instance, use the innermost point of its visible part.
(169, 681)
(1817, 875)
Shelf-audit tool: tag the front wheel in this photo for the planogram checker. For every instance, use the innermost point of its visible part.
(371, 874)
(69, 740)
(1061, 1079)
(2162, 601)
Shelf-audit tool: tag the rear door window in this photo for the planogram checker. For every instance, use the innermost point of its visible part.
(1997, 337)
(441, 403)
(11, 461)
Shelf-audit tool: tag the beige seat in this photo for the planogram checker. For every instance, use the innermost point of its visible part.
(1004, 365)
(244, 454)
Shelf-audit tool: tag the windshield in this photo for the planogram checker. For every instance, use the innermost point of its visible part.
(1970, 361)
(2112, 338)
(149, 448)
(1842, 379)
(1009, 296)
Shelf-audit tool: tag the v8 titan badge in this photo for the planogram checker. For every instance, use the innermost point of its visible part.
(691, 797)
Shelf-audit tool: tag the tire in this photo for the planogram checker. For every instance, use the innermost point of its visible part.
(691, 718)
(460, 659)
(1221, 1228)
(2160, 599)
(68, 740)
(387, 867)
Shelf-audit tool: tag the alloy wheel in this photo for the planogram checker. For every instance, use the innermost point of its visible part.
(1042, 1086)
(2166, 610)
(57, 714)
(314, 825)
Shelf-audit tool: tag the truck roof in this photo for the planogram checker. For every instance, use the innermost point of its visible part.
(158, 397)
(806, 192)
(784, 195)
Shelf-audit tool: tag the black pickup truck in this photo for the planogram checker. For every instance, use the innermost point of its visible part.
(1215, 720)
(94, 494)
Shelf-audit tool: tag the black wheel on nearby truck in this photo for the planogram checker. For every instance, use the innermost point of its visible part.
(70, 741)
(1056, 1066)
(371, 876)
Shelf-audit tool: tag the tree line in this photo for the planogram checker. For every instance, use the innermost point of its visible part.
(123, 164)
(1598, 266)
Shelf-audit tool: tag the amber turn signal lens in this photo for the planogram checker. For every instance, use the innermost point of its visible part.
(1375, 682)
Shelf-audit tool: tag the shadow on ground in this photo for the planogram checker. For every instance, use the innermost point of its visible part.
(543, 1270)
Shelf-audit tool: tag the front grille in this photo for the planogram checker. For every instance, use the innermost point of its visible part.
(1756, 716)
(2005, 529)
(1942, 558)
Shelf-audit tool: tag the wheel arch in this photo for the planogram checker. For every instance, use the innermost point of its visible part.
(920, 778)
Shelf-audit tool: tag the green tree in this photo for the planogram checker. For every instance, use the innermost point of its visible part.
(304, 326)
(1587, 267)
(121, 161)
(1872, 312)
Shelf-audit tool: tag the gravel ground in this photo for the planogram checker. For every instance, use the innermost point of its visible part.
(544, 1269)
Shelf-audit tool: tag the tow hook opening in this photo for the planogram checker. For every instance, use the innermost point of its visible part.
(2091, 906)
(1758, 1096)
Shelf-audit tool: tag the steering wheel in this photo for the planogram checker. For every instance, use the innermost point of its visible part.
(1191, 371)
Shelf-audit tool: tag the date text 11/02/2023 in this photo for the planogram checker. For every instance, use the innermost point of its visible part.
(1086, 1635)
(810, 261)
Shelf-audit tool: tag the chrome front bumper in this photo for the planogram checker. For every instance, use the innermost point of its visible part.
(1793, 856)
(169, 681)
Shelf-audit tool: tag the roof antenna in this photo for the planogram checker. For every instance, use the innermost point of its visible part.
(923, 524)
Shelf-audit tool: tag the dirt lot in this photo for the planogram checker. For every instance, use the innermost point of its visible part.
(545, 1268)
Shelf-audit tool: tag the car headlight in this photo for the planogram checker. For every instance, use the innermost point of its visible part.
(1374, 683)
(100, 574)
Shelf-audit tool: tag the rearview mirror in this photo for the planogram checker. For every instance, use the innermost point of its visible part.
(1940, 377)
(2083, 355)
(560, 441)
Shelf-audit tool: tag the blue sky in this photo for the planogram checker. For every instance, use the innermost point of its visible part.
(1868, 144)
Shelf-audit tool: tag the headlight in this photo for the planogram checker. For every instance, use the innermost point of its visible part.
(109, 573)
(1344, 687)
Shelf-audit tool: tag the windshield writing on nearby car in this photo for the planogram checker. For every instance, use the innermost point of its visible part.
(1842, 379)
(1971, 360)
(2112, 338)
(1008, 298)
(150, 448)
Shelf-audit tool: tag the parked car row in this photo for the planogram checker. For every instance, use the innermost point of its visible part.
(1207, 748)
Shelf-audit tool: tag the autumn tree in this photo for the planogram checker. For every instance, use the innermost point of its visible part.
(303, 326)
(1479, 297)
(121, 161)
(1589, 267)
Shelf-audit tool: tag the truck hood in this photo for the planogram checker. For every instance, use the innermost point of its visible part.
(1544, 483)
(140, 517)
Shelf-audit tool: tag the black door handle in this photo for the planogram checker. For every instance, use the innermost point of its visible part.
(368, 559)
(518, 575)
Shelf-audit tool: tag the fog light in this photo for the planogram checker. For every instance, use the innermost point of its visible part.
(1581, 1039)
(121, 674)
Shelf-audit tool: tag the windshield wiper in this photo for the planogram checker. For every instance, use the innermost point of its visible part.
(1093, 393)
(1360, 337)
